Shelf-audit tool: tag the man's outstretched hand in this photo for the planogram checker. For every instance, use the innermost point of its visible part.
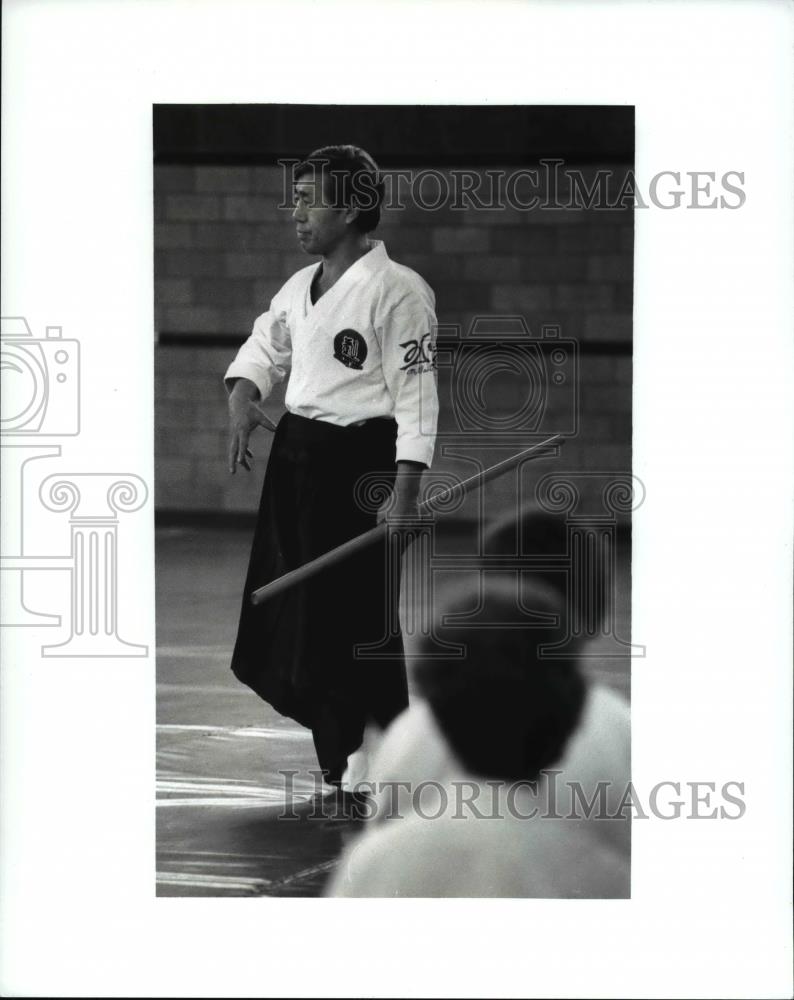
(245, 415)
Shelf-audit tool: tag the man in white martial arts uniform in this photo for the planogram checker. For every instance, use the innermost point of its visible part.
(355, 335)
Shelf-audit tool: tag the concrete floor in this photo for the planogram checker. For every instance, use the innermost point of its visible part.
(219, 748)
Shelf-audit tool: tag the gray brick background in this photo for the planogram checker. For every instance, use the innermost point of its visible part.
(223, 247)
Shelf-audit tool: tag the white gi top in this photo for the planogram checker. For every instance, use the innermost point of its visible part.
(523, 849)
(365, 349)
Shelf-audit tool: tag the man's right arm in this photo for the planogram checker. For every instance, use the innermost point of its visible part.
(263, 360)
(245, 415)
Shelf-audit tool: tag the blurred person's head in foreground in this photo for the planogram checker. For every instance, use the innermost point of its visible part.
(533, 533)
(505, 708)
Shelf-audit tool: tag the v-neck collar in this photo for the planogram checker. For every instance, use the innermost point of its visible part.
(369, 262)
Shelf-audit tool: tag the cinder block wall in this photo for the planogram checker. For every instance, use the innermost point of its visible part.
(223, 248)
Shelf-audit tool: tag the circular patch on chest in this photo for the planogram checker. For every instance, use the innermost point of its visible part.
(350, 348)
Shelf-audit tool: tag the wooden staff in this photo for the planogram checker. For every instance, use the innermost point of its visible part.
(331, 558)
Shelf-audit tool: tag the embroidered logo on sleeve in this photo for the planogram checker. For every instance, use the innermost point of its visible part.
(419, 356)
(350, 348)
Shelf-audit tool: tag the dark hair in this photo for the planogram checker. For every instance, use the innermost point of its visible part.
(540, 533)
(352, 180)
(506, 710)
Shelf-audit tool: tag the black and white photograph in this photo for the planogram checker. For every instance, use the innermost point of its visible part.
(440, 316)
(396, 519)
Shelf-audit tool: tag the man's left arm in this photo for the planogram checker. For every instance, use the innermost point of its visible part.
(406, 489)
(408, 349)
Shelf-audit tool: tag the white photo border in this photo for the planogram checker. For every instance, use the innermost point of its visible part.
(711, 701)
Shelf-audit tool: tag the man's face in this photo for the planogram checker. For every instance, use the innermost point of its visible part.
(320, 227)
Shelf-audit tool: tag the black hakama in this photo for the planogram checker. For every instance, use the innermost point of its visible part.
(296, 651)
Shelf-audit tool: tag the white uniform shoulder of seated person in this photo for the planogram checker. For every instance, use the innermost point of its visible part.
(537, 857)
